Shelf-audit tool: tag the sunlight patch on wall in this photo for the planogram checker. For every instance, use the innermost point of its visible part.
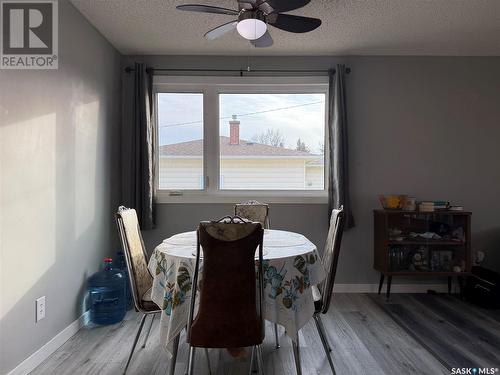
(27, 206)
(86, 120)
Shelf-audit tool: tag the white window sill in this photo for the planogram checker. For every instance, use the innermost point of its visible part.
(234, 196)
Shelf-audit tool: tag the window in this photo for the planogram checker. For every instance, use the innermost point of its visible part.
(272, 141)
(241, 137)
(180, 135)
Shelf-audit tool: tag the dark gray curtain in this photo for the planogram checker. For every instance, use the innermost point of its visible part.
(338, 175)
(138, 143)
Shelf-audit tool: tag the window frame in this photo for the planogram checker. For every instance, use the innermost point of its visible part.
(211, 87)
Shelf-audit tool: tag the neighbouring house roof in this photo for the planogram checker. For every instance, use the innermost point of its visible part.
(244, 148)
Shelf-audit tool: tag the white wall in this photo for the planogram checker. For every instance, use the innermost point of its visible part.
(59, 159)
(425, 126)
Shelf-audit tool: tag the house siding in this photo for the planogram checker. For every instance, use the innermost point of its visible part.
(177, 174)
(242, 174)
(262, 174)
(315, 177)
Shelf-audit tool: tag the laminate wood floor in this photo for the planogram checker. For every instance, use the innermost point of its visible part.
(365, 337)
(457, 333)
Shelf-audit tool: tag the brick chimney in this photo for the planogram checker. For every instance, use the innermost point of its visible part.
(234, 131)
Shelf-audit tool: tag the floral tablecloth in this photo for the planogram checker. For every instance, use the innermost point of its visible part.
(291, 266)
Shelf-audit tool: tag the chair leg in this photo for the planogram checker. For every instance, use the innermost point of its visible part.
(207, 356)
(324, 341)
(276, 336)
(143, 319)
(259, 360)
(190, 364)
(149, 331)
(296, 354)
(322, 327)
(174, 355)
(251, 360)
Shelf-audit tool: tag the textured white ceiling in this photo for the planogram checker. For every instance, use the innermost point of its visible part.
(350, 27)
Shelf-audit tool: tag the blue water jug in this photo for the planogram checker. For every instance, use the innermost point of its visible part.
(122, 265)
(107, 295)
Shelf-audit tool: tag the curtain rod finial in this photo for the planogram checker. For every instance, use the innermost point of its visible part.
(333, 71)
(129, 69)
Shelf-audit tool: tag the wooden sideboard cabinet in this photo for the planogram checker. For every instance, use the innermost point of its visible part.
(423, 244)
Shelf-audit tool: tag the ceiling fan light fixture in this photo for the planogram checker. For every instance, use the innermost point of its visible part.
(253, 16)
(251, 25)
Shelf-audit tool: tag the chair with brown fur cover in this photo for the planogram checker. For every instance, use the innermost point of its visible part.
(230, 302)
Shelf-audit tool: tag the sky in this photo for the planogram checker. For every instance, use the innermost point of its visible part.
(180, 116)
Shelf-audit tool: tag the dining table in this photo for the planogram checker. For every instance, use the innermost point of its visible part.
(291, 265)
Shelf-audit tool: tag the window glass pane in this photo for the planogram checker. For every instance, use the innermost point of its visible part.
(272, 141)
(180, 134)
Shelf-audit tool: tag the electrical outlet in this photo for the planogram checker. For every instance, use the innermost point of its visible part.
(40, 309)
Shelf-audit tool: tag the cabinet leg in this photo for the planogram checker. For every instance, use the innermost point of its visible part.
(461, 286)
(381, 283)
(449, 284)
(388, 293)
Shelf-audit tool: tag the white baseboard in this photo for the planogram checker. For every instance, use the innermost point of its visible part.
(395, 288)
(30, 363)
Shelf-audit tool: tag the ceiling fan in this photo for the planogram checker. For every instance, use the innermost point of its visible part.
(253, 16)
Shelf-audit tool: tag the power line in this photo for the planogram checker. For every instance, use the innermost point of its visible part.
(242, 115)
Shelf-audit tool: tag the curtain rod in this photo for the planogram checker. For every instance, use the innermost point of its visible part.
(129, 69)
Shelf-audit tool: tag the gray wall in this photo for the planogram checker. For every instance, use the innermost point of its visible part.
(59, 156)
(425, 126)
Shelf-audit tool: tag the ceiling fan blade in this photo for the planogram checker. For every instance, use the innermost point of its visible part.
(280, 6)
(264, 41)
(207, 9)
(247, 4)
(295, 24)
(221, 30)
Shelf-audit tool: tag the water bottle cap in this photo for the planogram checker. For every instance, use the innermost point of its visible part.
(108, 260)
